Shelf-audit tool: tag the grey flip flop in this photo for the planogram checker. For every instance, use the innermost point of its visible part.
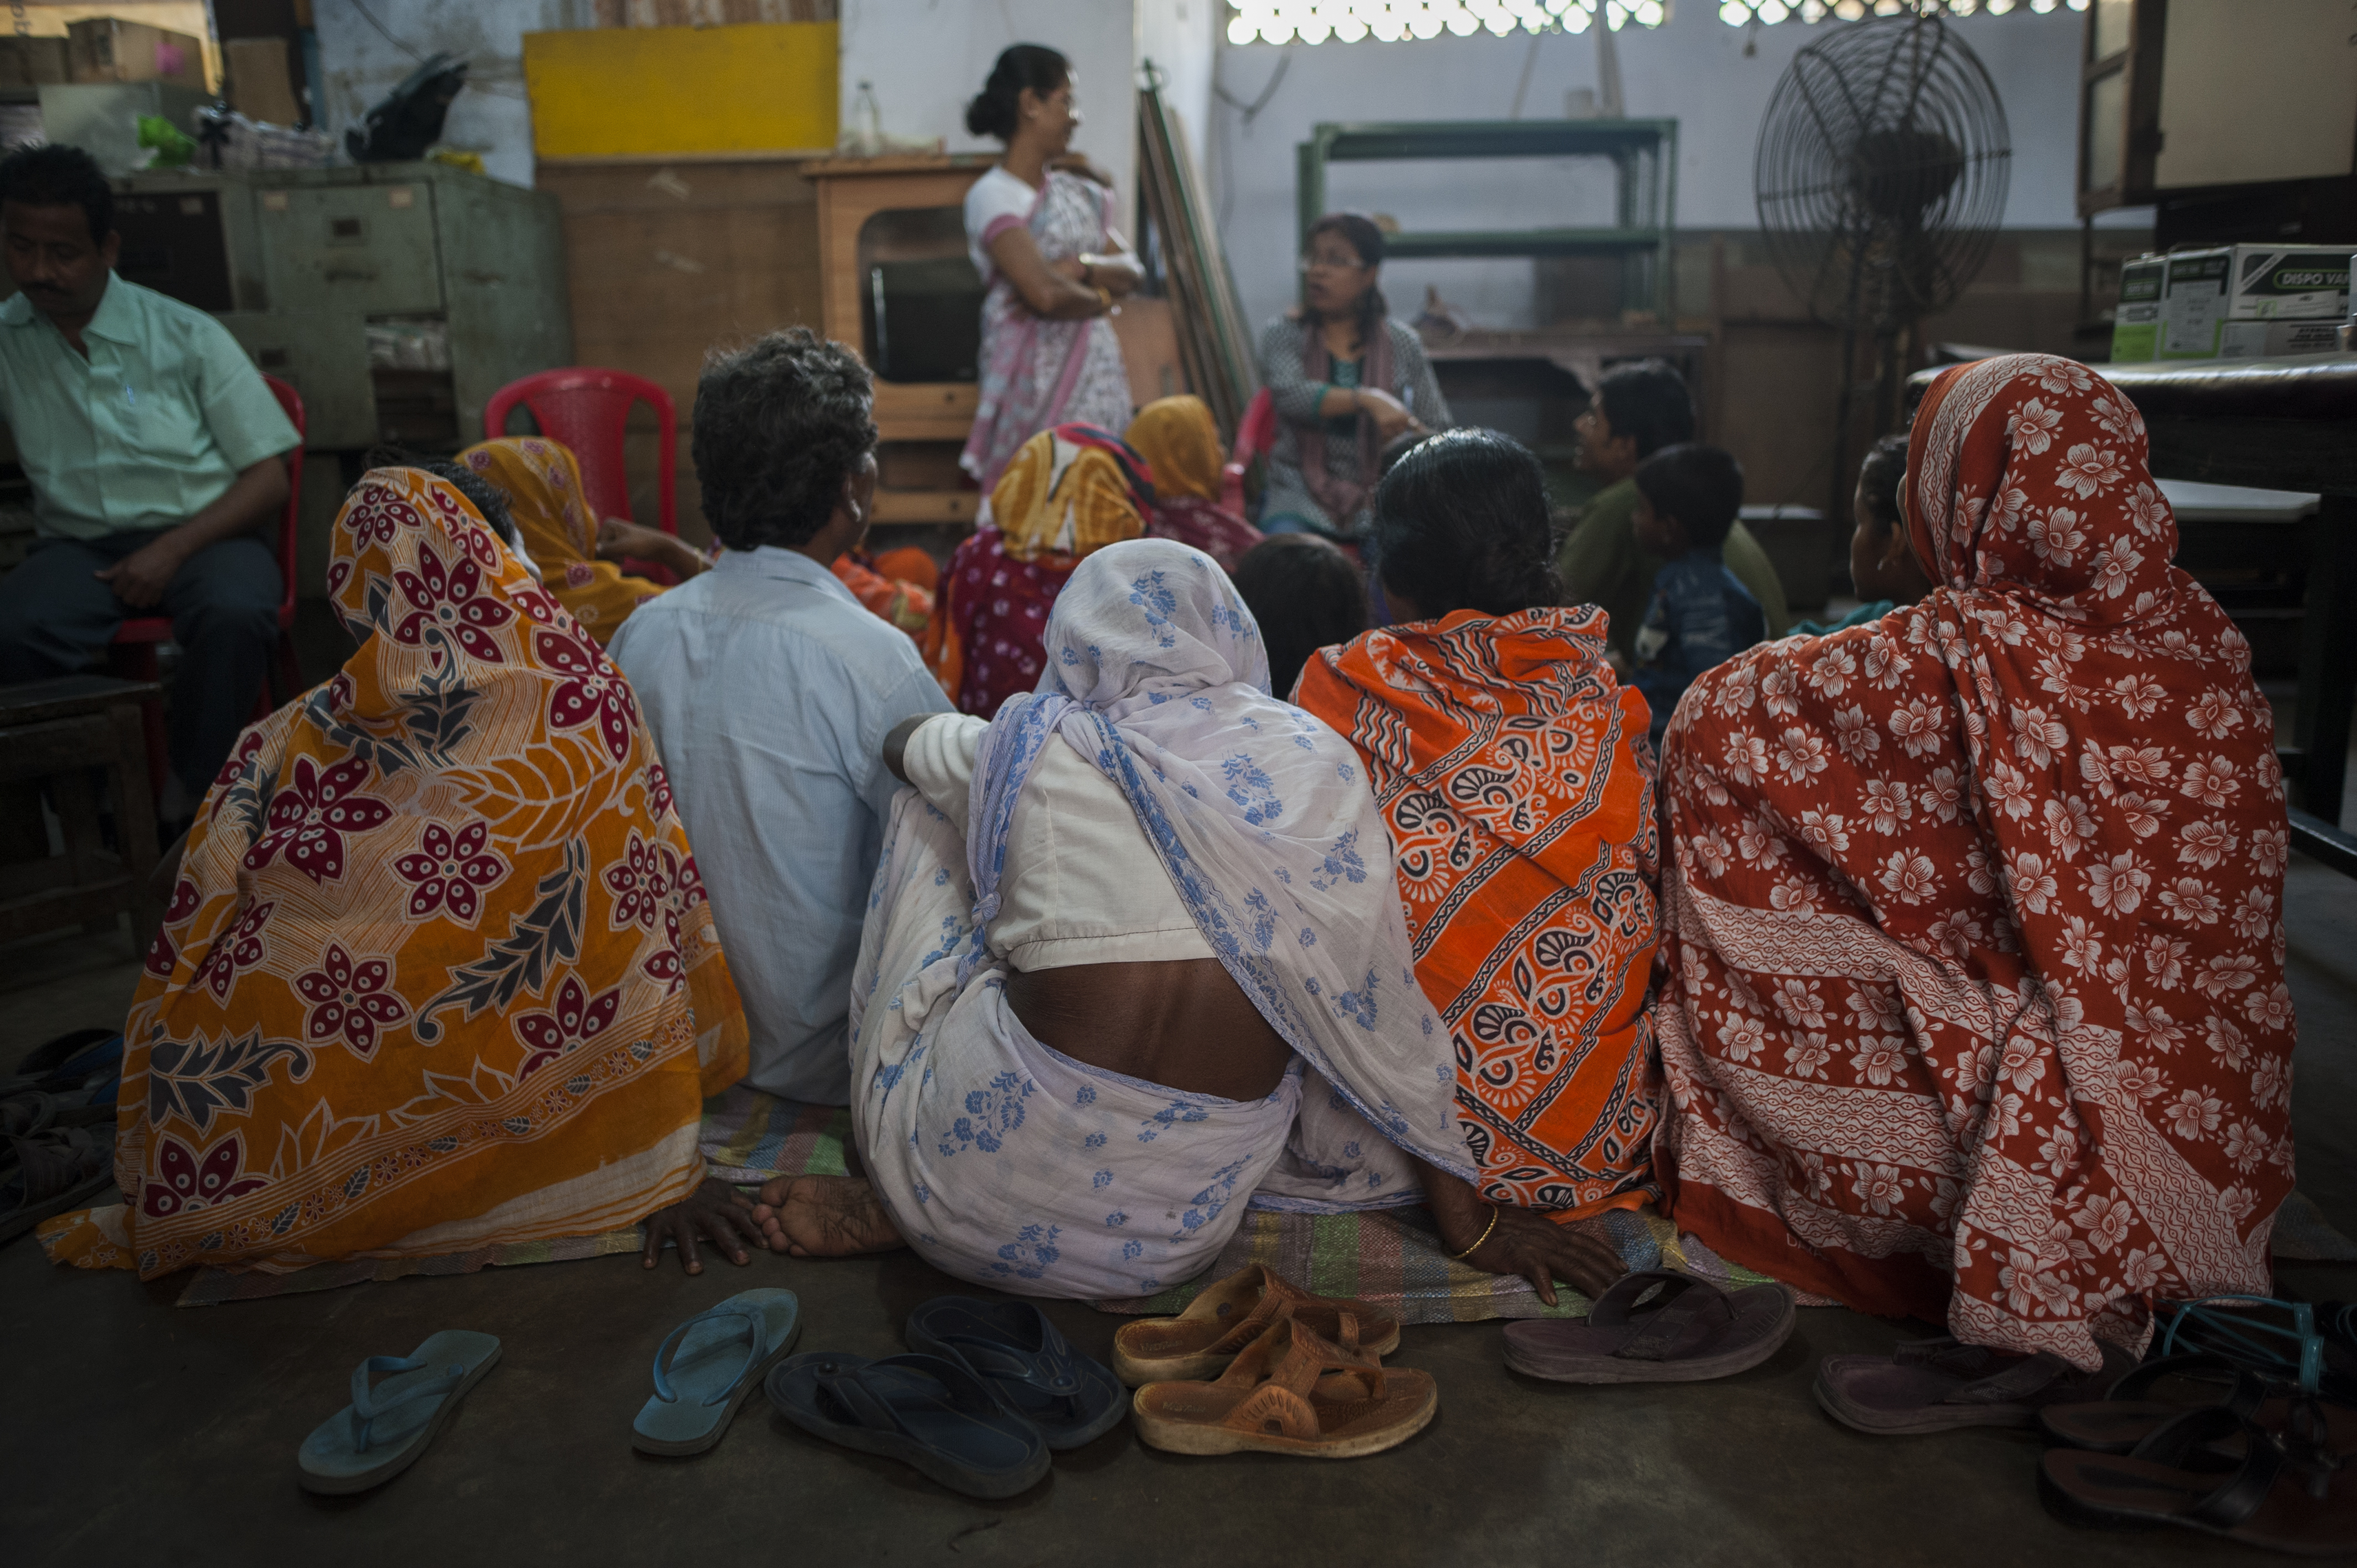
(710, 1365)
(390, 1424)
(1657, 1325)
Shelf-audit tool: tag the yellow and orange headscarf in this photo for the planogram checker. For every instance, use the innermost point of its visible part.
(543, 484)
(439, 972)
(1180, 443)
(1069, 492)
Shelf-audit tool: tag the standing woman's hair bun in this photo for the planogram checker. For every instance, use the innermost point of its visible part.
(996, 109)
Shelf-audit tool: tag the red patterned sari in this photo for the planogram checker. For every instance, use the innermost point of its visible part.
(1513, 775)
(1975, 1005)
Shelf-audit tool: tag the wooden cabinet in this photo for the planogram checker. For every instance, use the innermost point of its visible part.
(921, 423)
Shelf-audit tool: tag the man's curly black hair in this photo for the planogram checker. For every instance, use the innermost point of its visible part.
(779, 423)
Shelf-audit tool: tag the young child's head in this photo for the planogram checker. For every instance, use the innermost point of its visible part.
(1306, 595)
(1881, 563)
(1687, 497)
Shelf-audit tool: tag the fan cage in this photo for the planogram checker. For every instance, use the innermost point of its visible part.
(1881, 172)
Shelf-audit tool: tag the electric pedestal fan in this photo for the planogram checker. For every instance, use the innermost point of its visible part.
(1880, 184)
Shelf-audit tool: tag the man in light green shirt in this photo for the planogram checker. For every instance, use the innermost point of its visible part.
(1637, 410)
(154, 451)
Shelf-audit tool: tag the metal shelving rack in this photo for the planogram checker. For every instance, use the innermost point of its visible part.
(1644, 157)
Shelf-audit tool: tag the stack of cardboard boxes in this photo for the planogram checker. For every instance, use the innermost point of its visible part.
(2233, 302)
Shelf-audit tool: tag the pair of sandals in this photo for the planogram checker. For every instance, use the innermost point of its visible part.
(703, 1372)
(2242, 1427)
(1257, 1364)
(987, 1391)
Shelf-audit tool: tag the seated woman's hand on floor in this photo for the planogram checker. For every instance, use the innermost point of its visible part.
(1534, 1246)
(1500, 1239)
(715, 1212)
(825, 1216)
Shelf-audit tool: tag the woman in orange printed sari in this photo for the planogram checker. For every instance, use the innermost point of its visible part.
(1514, 775)
(541, 482)
(439, 973)
(1976, 1007)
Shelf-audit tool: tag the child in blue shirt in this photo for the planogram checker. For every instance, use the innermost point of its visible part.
(1701, 615)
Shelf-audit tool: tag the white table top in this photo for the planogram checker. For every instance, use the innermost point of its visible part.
(2196, 503)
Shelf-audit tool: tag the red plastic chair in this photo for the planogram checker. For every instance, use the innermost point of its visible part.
(586, 410)
(1254, 436)
(135, 641)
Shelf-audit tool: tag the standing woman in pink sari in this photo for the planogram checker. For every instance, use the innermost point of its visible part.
(1044, 242)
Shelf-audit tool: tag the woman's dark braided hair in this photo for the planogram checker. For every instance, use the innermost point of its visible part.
(998, 108)
(779, 424)
(1461, 523)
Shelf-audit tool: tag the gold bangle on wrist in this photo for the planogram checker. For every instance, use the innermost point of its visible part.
(1104, 296)
(1457, 1257)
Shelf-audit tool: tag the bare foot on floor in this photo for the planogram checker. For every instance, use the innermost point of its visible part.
(825, 1216)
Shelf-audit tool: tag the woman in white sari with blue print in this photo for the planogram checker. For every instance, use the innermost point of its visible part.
(1134, 961)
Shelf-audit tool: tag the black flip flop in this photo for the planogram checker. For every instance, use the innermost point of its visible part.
(2288, 1494)
(1012, 1348)
(930, 1414)
(1689, 1331)
(2158, 1392)
(55, 1169)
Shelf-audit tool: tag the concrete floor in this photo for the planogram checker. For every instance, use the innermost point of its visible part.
(135, 1431)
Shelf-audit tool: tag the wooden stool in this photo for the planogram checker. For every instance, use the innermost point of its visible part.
(59, 730)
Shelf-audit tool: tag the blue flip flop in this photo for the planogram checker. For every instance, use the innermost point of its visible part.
(1019, 1355)
(710, 1365)
(930, 1414)
(390, 1424)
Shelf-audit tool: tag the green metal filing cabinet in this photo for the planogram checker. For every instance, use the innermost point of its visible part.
(396, 297)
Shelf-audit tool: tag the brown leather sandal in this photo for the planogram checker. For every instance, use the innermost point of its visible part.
(2289, 1493)
(1289, 1391)
(1217, 1325)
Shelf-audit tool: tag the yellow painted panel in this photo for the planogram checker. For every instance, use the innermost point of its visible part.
(632, 91)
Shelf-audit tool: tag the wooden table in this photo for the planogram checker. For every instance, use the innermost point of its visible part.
(2279, 424)
(58, 731)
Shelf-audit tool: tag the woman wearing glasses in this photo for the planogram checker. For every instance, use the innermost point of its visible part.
(1346, 380)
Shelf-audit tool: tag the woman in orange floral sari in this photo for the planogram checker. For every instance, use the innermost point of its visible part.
(1514, 776)
(541, 482)
(1975, 1006)
(439, 973)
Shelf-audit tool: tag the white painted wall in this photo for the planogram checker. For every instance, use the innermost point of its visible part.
(1692, 70)
(1182, 38)
(491, 116)
(927, 58)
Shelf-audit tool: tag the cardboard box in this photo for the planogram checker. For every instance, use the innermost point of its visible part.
(2136, 326)
(2252, 301)
(106, 49)
(261, 87)
(32, 62)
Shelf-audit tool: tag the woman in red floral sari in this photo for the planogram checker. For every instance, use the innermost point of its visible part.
(1975, 1006)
